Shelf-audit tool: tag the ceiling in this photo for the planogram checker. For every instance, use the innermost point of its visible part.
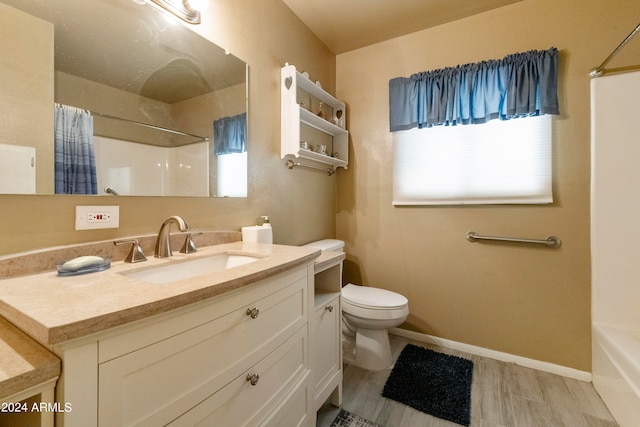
(131, 46)
(345, 25)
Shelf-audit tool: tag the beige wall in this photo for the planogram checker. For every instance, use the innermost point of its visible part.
(26, 88)
(532, 302)
(300, 203)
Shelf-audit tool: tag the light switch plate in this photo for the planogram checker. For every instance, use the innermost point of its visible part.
(94, 217)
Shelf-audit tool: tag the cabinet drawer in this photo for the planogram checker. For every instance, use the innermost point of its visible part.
(158, 383)
(282, 377)
(146, 332)
(295, 412)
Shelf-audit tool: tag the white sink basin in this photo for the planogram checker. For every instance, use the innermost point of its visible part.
(193, 268)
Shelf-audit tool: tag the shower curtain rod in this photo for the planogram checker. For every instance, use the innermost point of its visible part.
(598, 71)
(107, 116)
(133, 122)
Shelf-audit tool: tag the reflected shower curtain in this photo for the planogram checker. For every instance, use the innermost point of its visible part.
(75, 163)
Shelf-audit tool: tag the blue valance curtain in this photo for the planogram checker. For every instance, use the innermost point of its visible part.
(75, 163)
(521, 84)
(230, 134)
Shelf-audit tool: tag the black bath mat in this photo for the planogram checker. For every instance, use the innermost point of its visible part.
(435, 383)
(347, 419)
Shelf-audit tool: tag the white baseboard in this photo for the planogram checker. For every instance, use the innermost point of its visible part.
(497, 355)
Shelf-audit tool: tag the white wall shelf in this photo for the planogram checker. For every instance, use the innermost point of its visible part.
(294, 117)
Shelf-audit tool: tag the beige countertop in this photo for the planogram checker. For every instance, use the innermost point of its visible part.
(25, 363)
(53, 309)
(328, 259)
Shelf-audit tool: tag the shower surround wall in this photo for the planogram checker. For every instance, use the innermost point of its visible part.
(615, 233)
(150, 170)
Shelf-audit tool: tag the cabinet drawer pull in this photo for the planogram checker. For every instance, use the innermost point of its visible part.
(253, 378)
(329, 307)
(253, 312)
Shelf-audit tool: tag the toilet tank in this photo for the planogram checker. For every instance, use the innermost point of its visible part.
(333, 245)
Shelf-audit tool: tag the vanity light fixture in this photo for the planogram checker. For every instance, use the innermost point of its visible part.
(187, 10)
(199, 5)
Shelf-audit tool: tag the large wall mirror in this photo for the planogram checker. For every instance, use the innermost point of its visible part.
(163, 109)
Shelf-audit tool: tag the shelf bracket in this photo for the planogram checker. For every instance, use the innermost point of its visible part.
(291, 164)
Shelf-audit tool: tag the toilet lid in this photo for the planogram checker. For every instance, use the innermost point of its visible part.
(373, 298)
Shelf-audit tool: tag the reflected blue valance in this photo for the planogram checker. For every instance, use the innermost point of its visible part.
(522, 84)
(74, 157)
(230, 134)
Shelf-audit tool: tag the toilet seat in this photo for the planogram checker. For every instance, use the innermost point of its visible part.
(372, 298)
(373, 303)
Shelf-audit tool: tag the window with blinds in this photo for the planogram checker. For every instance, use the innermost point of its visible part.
(498, 162)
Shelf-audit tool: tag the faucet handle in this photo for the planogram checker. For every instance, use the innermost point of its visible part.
(189, 246)
(135, 254)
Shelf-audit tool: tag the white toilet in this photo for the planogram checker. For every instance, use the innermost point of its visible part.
(367, 314)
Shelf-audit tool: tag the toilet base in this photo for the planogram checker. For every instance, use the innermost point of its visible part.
(371, 351)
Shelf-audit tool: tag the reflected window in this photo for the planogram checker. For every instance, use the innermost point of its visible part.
(232, 175)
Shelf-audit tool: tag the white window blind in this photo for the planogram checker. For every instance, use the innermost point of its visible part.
(498, 162)
(232, 175)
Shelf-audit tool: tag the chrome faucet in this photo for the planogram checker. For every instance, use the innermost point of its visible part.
(163, 245)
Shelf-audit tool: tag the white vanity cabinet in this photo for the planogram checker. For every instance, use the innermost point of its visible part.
(326, 353)
(301, 101)
(241, 358)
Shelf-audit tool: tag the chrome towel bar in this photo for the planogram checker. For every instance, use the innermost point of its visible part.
(551, 241)
(291, 164)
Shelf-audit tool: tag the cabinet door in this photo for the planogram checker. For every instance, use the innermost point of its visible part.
(158, 383)
(326, 356)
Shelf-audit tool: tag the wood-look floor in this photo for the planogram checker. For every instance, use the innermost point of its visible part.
(502, 395)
